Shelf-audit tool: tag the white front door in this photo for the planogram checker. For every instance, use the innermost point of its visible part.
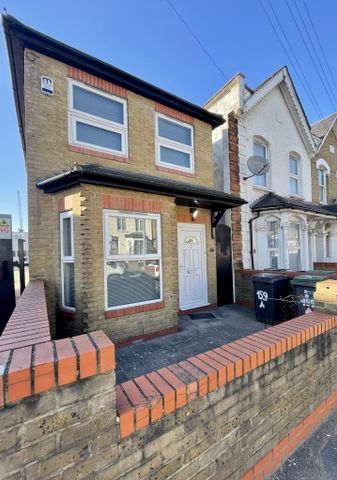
(192, 266)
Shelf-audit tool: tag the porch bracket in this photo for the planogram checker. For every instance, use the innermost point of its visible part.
(216, 217)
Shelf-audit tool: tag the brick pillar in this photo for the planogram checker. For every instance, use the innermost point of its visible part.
(233, 147)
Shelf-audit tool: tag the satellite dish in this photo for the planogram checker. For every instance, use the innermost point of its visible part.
(257, 166)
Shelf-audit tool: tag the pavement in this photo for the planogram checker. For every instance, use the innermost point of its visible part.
(316, 458)
(231, 322)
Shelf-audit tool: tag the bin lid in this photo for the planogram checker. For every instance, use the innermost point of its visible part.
(310, 280)
(268, 277)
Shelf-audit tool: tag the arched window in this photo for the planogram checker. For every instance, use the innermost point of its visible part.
(294, 174)
(323, 172)
(260, 149)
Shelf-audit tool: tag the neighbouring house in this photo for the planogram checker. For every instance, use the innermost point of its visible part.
(15, 237)
(324, 187)
(121, 198)
(277, 227)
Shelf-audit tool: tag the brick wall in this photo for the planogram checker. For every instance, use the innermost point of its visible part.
(325, 266)
(234, 411)
(331, 159)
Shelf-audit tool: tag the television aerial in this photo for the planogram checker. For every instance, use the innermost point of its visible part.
(257, 166)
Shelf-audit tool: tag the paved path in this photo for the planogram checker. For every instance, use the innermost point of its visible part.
(316, 459)
(194, 336)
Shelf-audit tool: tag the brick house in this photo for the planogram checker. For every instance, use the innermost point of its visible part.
(324, 186)
(276, 229)
(121, 198)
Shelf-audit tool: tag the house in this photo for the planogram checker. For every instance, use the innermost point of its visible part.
(324, 187)
(276, 229)
(121, 198)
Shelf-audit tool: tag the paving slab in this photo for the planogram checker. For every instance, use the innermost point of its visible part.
(316, 458)
(231, 322)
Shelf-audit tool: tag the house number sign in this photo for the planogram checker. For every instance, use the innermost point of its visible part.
(47, 86)
(263, 297)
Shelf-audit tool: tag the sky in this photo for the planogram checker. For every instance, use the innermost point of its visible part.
(150, 40)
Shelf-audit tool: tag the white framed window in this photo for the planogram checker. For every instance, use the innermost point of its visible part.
(139, 222)
(121, 223)
(67, 260)
(294, 174)
(133, 268)
(322, 185)
(273, 239)
(174, 144)
(97, 120)
(260, 149)
(294, 247)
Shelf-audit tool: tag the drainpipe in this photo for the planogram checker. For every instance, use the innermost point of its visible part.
(250, 222)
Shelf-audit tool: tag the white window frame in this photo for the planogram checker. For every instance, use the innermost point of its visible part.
(323, 185)
(127, 257)
(66, 258)
(180, 147)
(263, 143)
(95, 121)
(294, 176)
(274, 249)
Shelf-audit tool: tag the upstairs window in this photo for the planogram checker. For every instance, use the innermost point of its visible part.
(294, 174)
(322, 174)
(174, 144)
(260, 149)
(97, 119)
(67, 260)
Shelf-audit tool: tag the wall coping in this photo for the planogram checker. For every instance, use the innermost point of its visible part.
(32, 363)
(145, 399)
(28, 324)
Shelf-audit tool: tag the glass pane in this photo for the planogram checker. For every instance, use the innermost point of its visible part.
(321, 177)
(113, 245)
(294, 259)
(68, 285)
(273, 260)
(261, 180)
(321, 194)
(174, 132)
(97, 105)
(129, 240)
(132, 282)
(174, 157)
(273, 234)
(67, 237)
(293, 166)
(294, 235)
(293, 185)
(98, 136)
(260, 150)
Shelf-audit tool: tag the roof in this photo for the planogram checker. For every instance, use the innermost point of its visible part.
(282, 79)
(19, 36)
(187, 194)
(322, 127)
(272, 201)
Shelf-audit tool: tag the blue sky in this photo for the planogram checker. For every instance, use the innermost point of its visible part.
(147, 39)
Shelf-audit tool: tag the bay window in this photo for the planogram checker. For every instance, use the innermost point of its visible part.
(273, 239)
(133, 273)
(97, 120)
(67, 260)
(294, 247)
(174, 144)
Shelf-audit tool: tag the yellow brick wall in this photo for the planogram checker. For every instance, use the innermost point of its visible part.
(47, 152)
(331, 159)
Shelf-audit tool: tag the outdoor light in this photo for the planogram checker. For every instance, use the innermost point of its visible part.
(194, 213)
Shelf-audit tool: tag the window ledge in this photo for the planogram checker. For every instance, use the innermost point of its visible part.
(121, 312)
(260, 187)
(174, 171)
(98, 153)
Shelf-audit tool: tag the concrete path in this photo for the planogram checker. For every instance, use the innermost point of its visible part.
(316, 459)
(195, 336)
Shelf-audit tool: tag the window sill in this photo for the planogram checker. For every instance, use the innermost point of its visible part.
(121, 312)
(293, 195)
(174, 171)
(98, 153)
(263, 189)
